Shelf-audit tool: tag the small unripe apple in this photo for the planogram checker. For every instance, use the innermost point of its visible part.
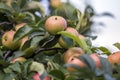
(75, 61)
(74, 51)
(66, 42)
(114, 58)
(96, 59)
(55, 24)
(18, 59)
(36, 76)
(7, 40)
(18, 26)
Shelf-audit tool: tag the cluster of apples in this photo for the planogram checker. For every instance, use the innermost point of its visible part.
(55, 24)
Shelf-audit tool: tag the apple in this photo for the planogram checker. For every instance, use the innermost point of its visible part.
(7, 40)
(114, 58)
(23, 40)
(66, 42)
(55, 24)
(96, 59)
(18, 26)
(75, 61)
(72, 31)
(55, 3)
(19, 59)
(81, 36)
(28, 51)
(36, 76)
(74, 51)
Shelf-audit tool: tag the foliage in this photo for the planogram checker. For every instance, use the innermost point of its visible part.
(42, 51)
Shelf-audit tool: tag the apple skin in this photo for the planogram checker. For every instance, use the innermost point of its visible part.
(72, 31)
(36, 76)
(55, 24)
(19, 59)
(7, 40)
(23, 40)
(96, 59)
(55, 3)
(18, 26)
(81, 36)
(74, 51)
(114, 58)
(75, 61)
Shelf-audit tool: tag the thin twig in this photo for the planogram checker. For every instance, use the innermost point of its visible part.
(47, 49)
(7, 54)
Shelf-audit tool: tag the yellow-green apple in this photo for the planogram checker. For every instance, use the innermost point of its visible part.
(18, 59)
(55, 3)
(7, 40)
(66, 42)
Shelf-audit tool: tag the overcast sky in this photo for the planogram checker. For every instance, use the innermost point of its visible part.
(110, 33)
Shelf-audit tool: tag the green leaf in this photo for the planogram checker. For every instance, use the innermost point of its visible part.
(69, 11)
(79, 41)
(70, 78)
(31, 43)
(106, 66)
(58, 59)
(5, 8)
(9, 76)
(22, 32)
(51, 42)
(13, 68)
(34, 5)
(117, 45)
(16, 54)
(59, 75)
(4, 63)
(105, 50)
